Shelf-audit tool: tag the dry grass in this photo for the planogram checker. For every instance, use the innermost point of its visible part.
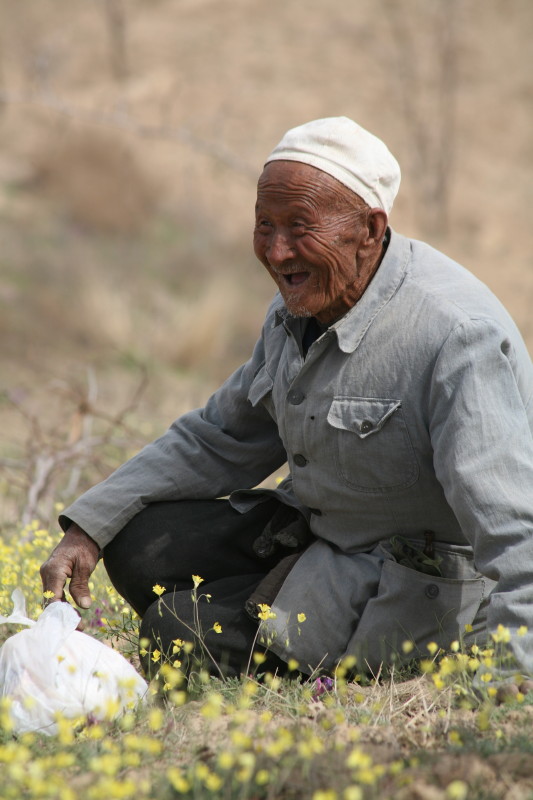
(126, 195)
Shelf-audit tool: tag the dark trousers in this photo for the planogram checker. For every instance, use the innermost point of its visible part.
(168, 543)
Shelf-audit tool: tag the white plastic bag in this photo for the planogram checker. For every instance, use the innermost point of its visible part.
(51, 667)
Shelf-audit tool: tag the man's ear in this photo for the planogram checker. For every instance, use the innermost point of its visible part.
(377, 225)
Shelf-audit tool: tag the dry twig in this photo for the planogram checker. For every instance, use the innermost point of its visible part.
(48, 454)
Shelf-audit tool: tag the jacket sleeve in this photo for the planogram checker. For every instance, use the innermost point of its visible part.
(206, 453)
(481, 409)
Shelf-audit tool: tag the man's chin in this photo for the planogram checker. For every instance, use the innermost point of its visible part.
(296, 310)
(296, 305)
(300, 312)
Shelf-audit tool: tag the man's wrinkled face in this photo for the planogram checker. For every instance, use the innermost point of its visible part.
(308, 232)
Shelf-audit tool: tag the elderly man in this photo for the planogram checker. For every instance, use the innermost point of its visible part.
(400, 393)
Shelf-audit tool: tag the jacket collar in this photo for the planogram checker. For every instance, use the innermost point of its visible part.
(351, 328)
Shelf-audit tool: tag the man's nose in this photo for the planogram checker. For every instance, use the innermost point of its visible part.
(280, 249)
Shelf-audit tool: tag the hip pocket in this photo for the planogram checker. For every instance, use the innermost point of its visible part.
(415, 607)
(373, 450)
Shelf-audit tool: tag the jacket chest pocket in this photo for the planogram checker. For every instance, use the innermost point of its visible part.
(373, 451)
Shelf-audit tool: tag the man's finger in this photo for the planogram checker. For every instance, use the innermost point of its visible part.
(79, 583)
(53, 584)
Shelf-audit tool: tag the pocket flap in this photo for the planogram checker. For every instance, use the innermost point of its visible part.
(261, 385)
(361, 415)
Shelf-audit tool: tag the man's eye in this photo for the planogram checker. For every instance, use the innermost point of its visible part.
(263, 223)
(299, 227)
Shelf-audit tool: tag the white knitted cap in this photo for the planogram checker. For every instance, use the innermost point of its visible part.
(349, 153)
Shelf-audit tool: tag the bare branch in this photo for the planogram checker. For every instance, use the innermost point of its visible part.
(121, 120)
(431, 129)
(115, 16)
(50, 453)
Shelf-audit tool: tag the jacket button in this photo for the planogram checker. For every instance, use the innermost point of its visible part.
(300, 460)
(432, 591)
(296, 397)
(365, 426)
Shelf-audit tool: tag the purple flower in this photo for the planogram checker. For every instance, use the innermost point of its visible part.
(322, 685)
(96, 621)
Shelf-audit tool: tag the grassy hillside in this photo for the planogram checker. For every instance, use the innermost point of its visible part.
(132, 133)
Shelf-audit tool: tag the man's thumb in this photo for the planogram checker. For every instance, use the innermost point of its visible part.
(79, 591)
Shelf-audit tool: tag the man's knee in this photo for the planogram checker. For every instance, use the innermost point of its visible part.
(162, 544)
(167, 543)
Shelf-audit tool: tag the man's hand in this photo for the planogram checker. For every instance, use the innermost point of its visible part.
(75, 557)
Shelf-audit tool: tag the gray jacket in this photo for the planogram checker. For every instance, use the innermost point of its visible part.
(413, 412)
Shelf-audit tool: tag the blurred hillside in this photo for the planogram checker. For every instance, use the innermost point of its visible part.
(132, 133)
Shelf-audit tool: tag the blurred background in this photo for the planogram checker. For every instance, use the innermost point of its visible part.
(132, 133)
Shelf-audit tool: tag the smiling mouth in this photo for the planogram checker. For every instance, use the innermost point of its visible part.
(295, 278)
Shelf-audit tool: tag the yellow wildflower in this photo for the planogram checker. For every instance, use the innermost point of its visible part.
(177, 780)
(357, 759)
(262, 777)
(353, 793)
(226, 760)
(265, 612)
(155, 719)
(454, 737)
(213, 782)
(457, 790)
(502, 634)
